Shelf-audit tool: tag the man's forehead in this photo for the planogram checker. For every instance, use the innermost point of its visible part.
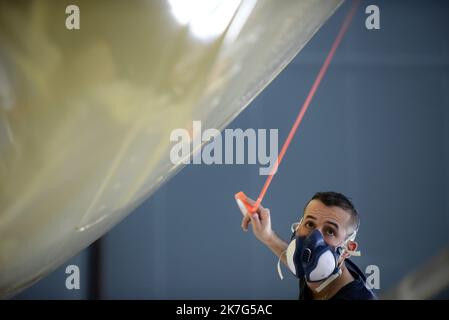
(319, 210)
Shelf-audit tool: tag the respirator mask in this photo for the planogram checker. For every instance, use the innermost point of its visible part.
(311, 258)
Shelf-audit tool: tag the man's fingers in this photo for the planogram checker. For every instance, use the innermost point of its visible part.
(264, 214)
(245, 221)
(261, 215)
(255, 221)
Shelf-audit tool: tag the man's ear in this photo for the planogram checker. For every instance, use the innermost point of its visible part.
(352, 246)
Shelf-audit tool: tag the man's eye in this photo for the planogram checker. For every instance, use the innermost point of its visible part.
(330, 232)
(309, 225)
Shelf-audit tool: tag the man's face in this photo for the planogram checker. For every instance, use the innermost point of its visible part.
(333, 222)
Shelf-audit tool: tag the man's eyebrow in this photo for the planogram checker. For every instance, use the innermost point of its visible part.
(332, 223)
(309, 216)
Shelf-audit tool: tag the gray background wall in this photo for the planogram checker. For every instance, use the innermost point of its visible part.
(377, 130)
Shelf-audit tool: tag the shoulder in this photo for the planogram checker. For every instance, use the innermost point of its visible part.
(357, 289)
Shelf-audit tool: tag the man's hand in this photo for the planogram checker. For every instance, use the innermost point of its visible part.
(260, 221)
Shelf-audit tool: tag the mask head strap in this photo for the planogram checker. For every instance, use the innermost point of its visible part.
(328, 281)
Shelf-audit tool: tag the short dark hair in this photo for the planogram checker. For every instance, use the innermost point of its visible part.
(331, 199)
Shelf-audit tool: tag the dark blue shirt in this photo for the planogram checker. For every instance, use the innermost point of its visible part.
(355, 290)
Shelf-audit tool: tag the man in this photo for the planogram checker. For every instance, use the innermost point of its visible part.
(323, 267)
